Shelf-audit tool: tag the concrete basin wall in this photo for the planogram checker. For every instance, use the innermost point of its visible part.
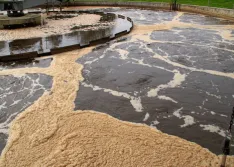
(220, 12)
(161, 5)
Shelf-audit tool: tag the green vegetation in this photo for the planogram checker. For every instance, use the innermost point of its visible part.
(213, 3)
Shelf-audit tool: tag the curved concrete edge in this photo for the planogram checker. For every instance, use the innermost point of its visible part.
(219, 12)
(57, 50)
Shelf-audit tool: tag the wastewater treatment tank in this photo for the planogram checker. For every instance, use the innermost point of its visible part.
(15, 16)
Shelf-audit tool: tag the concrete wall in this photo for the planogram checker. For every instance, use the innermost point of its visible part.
(227, 13)
(27, 19)
(130, 4)
(220, 12)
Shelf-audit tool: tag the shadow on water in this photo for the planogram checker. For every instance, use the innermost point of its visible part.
(42, 63)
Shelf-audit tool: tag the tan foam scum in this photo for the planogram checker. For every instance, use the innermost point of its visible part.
(51, 27)
(51, 133)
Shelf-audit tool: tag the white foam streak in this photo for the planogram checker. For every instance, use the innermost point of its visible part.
(2, 106)
(218, 73)
(214, 129)
(167, 60)
(209, 94)
(135, 101)
(146, 117)
(123, 54)
(5, 125)
(175, 82)
(90, 62)
(154, 123)
(167, 98)
(188, 120)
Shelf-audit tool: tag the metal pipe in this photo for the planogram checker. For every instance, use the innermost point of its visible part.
(223, 163)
